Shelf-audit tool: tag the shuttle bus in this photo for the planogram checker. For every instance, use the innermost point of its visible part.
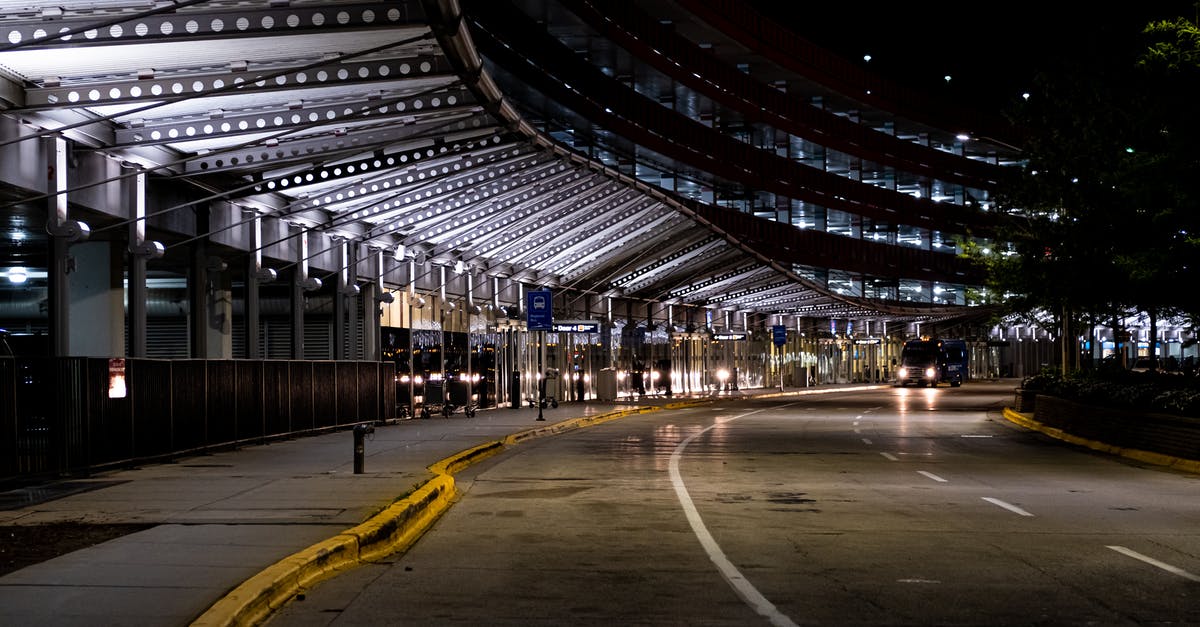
(929, 362)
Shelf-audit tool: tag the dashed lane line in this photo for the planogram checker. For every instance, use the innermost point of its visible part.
(1174, 570)
(932, 476)
(1008, 506)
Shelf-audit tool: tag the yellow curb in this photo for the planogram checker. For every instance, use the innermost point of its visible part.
(394, 529)
(398, 527)
(1157, 459)
(574, 423)
(257, 597)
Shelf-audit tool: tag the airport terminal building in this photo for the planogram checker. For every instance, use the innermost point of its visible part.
(295, 215)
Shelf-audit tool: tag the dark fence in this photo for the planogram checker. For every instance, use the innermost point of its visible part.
(57, 417)
(1177, 436)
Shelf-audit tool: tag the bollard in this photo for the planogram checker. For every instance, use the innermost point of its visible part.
(360, 446)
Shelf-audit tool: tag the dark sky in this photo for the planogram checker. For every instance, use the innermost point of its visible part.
(990, 49)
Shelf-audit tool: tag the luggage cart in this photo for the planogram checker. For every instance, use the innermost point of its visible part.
(550, 387)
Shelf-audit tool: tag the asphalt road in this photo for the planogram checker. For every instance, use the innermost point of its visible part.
(887, 507)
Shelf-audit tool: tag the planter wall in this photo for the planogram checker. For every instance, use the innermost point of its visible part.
(1176, 436)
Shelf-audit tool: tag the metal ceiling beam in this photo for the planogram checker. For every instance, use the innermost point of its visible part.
(42, 33)
(592, 227)
(380, 167)
(646, 274)
(532, 228)
(740, 272)
(579, 215)
(437, 225)
(406, 190)
(546, 194)
(619, 252)
(219, 123)
(235, 81)
(585, 198)
(328, 142)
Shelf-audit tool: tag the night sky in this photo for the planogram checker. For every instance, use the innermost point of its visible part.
(990, 49)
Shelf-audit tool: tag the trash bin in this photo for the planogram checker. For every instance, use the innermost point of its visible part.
(514, 389)
(606, 384)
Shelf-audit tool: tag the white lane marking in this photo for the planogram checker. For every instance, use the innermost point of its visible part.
(742, 586)
(931, 476)
(1008, 506)
(890, 457)
(867, 441)
(1174, 570)
(917, 581)
(858, 417)
(974, 436)
(858, 430)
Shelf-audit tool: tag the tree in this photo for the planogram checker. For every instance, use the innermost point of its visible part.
(1105, 215)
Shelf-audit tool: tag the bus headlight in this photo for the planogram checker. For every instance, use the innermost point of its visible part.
(930, 373)
(902, 373)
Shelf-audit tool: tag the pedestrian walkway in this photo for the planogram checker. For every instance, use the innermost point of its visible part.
(234, 525)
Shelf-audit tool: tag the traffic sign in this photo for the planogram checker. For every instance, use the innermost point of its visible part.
(779, 334)
(539, 312)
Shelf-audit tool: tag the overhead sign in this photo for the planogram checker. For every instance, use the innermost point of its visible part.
(730, 336)
(539, 312)
(577, 326)
(779, 334)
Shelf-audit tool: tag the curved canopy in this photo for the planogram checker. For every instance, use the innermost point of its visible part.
(376, 122)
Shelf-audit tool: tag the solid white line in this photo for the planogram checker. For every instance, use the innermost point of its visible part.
(1008, 506)
(890, 457)
(1153, 562)
(742, 586)
(931, 476)
(867, 441)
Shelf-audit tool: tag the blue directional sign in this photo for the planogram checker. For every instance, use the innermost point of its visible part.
(539, 312)
(779, 334)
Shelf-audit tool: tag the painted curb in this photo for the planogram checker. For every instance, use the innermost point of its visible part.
(1157, 459)
(394, 529)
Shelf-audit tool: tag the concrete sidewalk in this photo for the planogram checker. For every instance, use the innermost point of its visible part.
(231, 529)
(222, 518)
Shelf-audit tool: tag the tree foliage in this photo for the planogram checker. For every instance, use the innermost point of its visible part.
(1106, 212)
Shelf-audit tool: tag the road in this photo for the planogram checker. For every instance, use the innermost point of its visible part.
(886, 507)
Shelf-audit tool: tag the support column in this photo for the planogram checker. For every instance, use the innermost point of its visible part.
(140, 252)
(340, 296)
(300, 283)
(63, 232)
(98, 327)
(255, 275)
(352, 296)
(212, 303)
